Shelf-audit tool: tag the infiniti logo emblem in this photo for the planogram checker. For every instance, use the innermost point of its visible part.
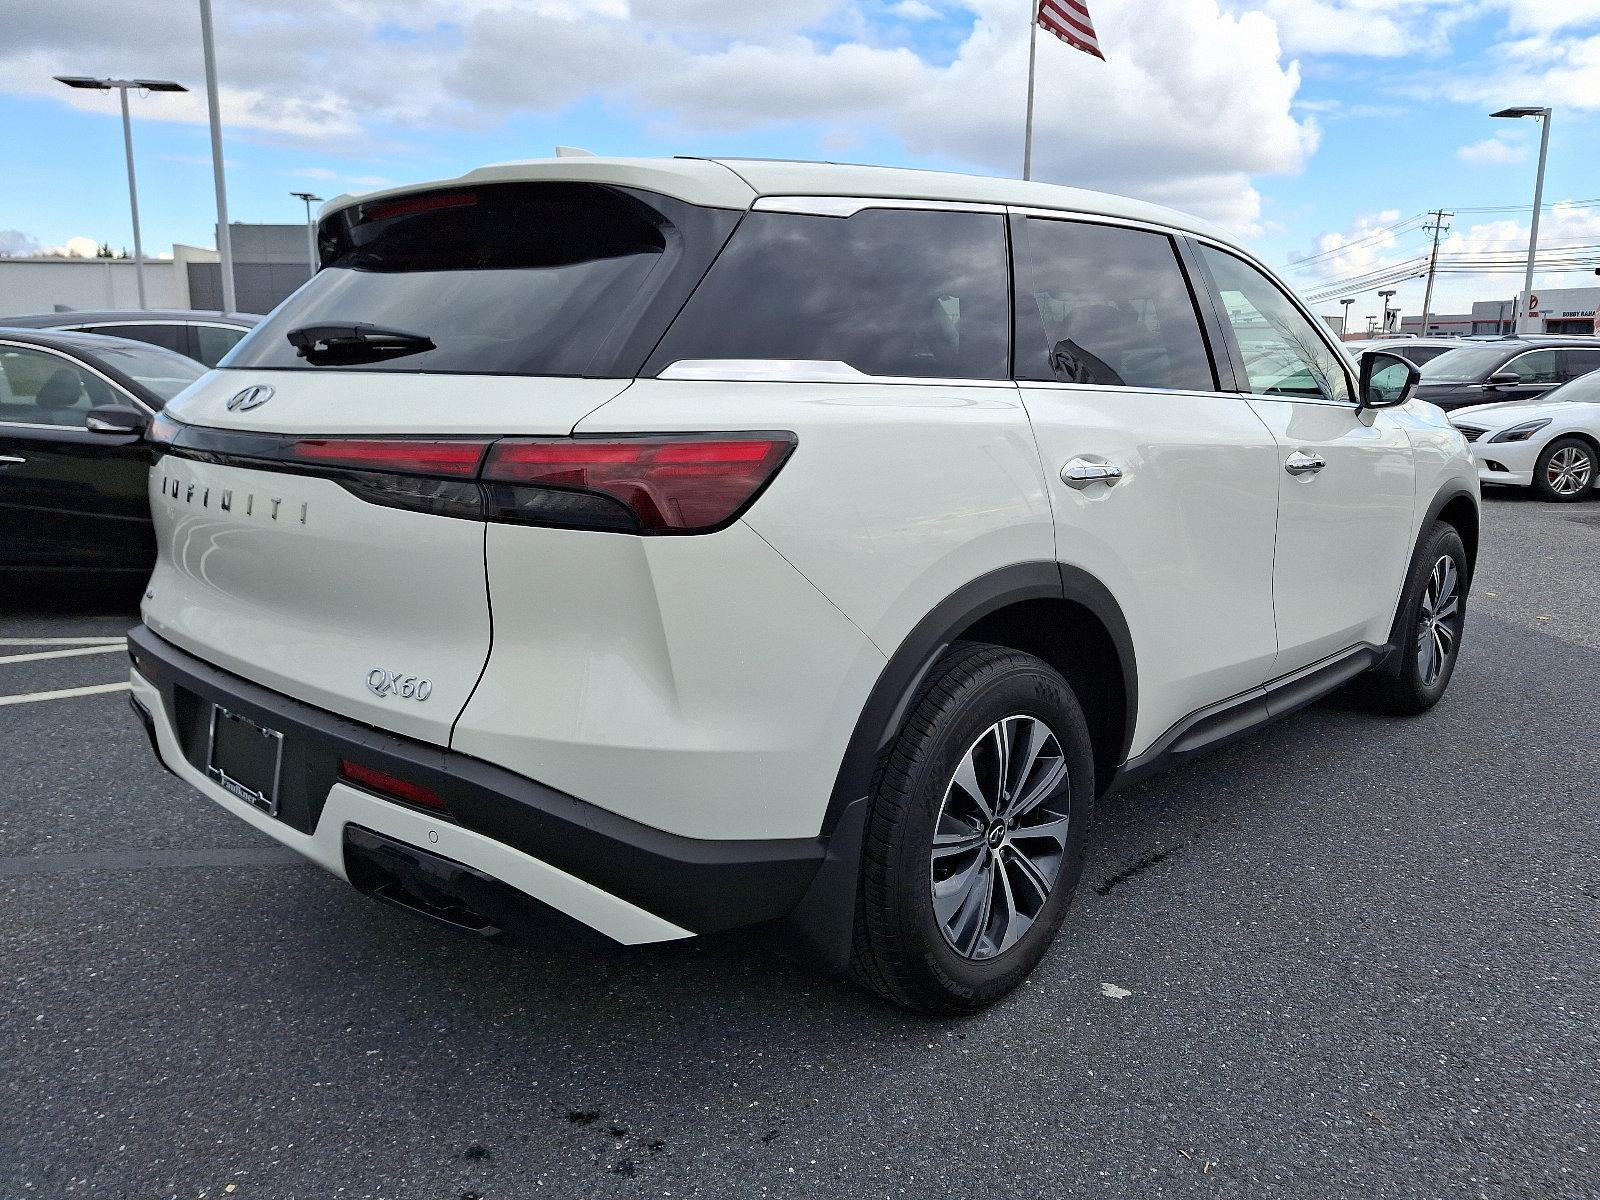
(251, 397)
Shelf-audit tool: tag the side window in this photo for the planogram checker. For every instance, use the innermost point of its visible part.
(168, 336)
(216, 341)
(1574, 363)
(1100, 304)
(1536, 366)
(37, 388)
(1283, 353)
(910, 292)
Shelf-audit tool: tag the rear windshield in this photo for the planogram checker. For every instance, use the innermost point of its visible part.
(526, 279)
(1466, 365)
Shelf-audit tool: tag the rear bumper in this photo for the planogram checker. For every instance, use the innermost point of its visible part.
(629, 881)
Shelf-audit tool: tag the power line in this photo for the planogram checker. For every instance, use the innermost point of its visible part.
(1372, 236)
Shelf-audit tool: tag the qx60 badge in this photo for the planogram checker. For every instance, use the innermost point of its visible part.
(393, 683)
(250, 397)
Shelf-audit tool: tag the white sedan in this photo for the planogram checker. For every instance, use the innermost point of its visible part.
(1551, 443)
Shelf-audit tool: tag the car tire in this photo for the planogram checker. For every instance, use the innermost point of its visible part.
(1431, 623)
(948, 928)
(1566, 470)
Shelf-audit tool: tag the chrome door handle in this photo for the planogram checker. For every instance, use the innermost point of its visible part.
(1303, 464)
(11, 460)
(1080, 473)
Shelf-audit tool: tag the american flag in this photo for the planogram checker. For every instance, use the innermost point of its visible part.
(1069, 20)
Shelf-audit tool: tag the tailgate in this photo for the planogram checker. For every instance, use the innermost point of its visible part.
(359, 591)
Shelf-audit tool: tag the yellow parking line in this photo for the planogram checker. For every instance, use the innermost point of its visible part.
(65, 693)
(72, 653)
(63, 641)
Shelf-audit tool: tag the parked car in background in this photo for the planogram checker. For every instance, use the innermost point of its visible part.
(845, 534)
(1511, 368)
(202, 336)
(1551, 444)
(74, 467)
(1418, 350)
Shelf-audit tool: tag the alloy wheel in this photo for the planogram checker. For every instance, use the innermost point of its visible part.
(1568, 470)
(1000, 837)
(1439, 622)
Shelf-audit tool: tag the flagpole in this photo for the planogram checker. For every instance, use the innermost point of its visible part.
(1027, 135)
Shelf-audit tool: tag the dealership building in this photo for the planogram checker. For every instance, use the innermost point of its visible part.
(269, 262)
(1549, 310)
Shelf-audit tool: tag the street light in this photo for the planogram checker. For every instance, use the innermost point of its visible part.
(311, 227)
(122, 86)
(1344, 325)
(1384, 295)
(1543, 116)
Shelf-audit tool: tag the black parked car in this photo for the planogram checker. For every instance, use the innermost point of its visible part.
(1512, 368)
(73, 461)
(202, 336)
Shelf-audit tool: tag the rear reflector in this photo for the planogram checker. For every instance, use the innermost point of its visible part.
(691, 483)
(454, 459)
(389, 785)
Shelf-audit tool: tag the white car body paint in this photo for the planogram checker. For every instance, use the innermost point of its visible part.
(707, 687)
(1567, 418)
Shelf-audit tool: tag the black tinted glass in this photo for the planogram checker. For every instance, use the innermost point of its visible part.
(888, 291)
(1421, 354)
(1578, 362)
(535, 279)
(168, 337)
(1098, 304)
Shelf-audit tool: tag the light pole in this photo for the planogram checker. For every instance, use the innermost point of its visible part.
(1384, 296)
(1543, 116)
(214, 113)
(311, 227)
(122, 86)
(1344, 324)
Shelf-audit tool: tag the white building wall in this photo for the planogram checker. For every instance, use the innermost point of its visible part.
(35, 285)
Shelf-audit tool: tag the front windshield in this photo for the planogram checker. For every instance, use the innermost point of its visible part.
(1466, 365)
(162, 371)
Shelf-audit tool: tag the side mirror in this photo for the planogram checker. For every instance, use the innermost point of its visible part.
(1387, 380)
(115, 419)
(1504, 379)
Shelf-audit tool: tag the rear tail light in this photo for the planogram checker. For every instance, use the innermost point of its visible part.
(451, 459)
(389, 785)
(693, 483)
(655, 484)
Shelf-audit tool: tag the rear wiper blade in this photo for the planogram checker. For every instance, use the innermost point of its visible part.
(355, 341)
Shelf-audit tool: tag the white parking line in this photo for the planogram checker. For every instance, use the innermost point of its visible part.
(63, 641)
(65, 693)
(72, 653)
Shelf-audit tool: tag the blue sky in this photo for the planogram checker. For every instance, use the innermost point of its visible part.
(1303, 124)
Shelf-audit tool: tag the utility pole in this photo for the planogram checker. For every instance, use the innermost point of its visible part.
(208, 46)
(1438, 229)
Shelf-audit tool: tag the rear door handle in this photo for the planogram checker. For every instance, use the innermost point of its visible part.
(11, 460)
(1080, 473)
(1304, 464)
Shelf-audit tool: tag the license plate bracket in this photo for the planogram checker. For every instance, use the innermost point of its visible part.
(245, 759)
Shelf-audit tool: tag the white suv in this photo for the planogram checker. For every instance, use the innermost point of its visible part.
(688, 544)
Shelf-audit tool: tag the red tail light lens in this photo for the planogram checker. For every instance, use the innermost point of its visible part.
(389, 785)
(669, 484)
(406, 206)
(454, 459)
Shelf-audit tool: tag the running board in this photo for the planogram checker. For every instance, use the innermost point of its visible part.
(1218, 724)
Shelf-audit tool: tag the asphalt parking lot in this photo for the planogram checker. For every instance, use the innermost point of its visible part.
(1348, 957)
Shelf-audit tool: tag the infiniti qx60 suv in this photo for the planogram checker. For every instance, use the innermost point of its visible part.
(679, 545)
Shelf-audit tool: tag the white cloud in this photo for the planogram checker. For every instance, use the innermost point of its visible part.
(914, 10)
(1194, 102)
(15, 242)
(1547, 16)
(1492, 152)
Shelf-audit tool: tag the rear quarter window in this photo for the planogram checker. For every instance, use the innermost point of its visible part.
(891, 292)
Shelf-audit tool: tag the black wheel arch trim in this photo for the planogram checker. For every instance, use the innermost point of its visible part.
(886, 706)
(1447, 495)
